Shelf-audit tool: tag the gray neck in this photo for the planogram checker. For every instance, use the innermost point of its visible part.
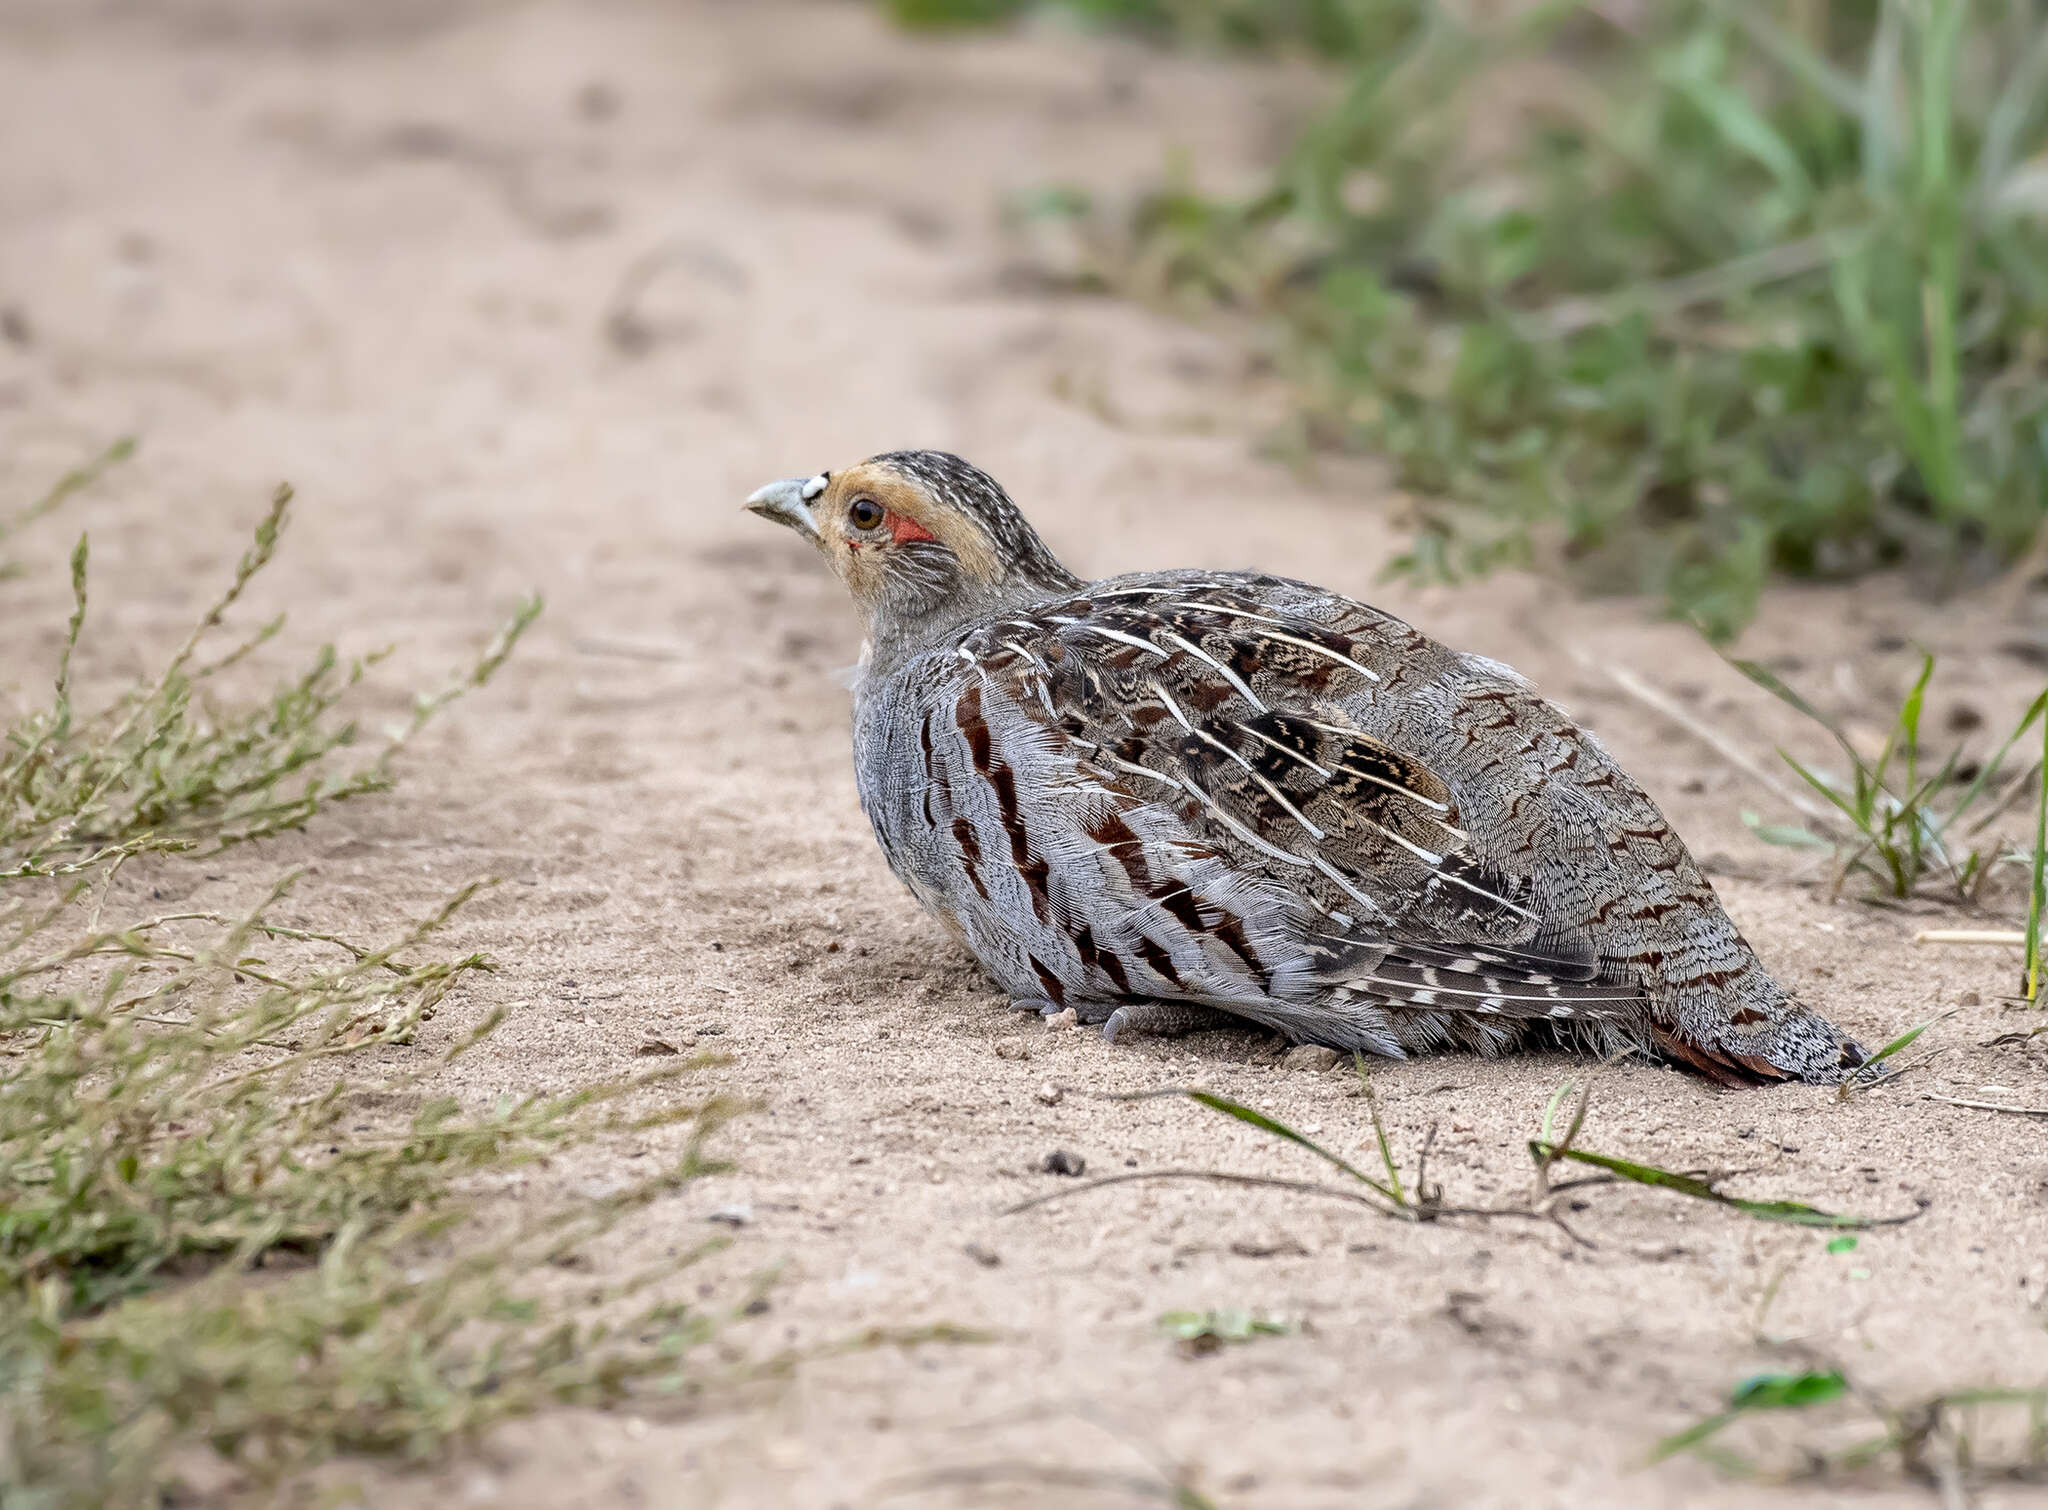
(902, 631)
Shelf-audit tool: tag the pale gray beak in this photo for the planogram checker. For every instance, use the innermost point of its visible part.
(789, 502)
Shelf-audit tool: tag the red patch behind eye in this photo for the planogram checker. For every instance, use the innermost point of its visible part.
(902, 529)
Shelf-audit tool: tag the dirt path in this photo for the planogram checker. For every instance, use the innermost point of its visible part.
(379, 249)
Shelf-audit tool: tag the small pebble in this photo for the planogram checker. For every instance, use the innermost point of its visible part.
(1061, 1021)
(732, 1216)
(1970, 999)
(1011, 1048)
(1059, 1161)
(988, 1258)
(1050, 1094)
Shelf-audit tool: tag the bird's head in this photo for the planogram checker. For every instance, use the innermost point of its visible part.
(916, 536)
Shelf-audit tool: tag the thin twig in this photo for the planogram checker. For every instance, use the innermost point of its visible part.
(1734, 754)
(1988, 1106)
(631, 650)
(1771, 265)
(1222, 1177)
(1043, 1475)
(1424, 1197)
(1299, 1187)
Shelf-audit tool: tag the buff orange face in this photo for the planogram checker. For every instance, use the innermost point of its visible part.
(860, 518)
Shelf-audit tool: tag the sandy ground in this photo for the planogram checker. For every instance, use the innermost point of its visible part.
(389, 251)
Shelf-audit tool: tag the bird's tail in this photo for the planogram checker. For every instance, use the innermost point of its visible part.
(1742, 1027)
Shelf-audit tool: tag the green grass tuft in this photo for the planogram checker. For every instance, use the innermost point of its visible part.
(157, 770)
(1955, 1442)
(1199, 1333)
(1676, 297)
(233, 1234)
(1891, 819)
(1327, 28)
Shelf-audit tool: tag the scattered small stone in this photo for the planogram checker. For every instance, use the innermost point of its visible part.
(758, 1306)
(732, 1216)
(1970, 999)
(1050, 1094)
(988, 1258)
(1061, 1021)
(1059, 1161)
(654, 1046)
(1312, 1058)
(1011, 1048)
(711, 1029)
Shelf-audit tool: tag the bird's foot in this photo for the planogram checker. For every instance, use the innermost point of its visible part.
(1160, 1019)
(1086, 1011)
(1073, 1014)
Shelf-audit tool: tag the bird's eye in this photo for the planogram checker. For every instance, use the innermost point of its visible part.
(865, 514)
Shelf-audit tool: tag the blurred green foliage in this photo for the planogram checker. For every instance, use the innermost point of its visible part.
(1330, 28)
(1683, 295)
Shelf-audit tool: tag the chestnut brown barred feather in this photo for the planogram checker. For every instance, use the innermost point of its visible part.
(1174, 791)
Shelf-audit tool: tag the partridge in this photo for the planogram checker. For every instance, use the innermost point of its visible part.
(1162, 797)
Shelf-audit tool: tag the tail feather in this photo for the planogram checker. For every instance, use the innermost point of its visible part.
(1462, 988)
(1756, 1035)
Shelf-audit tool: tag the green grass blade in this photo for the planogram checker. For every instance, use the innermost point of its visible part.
(2037, 874)
(1903, 1041)
(1379, 1128)
(75, 481)
(1693, 1435)
(1279, 1129)
(1738, 121)
(1990, 768)
(1877, 116)
(1905, 730)
(2018, 104)
(1857, 813)
(1772, 683)
(1795, 1213)
(1940, 226)
(1793, 55)
(1761, 1392)
(1785, 835)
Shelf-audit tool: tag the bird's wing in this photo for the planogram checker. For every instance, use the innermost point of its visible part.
(1227, 711)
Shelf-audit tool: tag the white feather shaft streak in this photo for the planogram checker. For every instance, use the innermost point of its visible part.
(1221, 670)
(1286, 639)
(1288, 750)
(1111, 634)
